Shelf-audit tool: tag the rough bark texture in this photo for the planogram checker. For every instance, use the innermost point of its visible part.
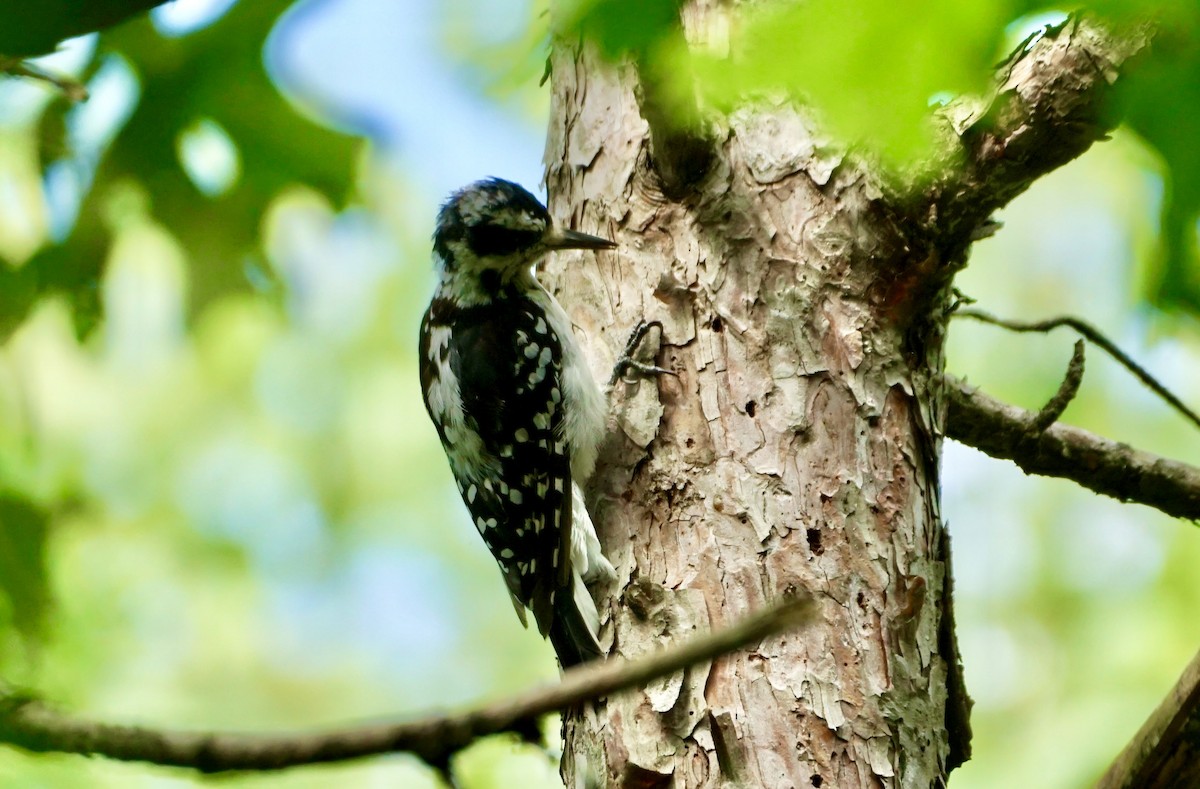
(1099, 464)
(1050, 102)
(796, 450)
(1165, 753)
(798, 447)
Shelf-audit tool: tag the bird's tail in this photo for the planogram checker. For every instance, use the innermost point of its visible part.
(575, 629)
(586, 554)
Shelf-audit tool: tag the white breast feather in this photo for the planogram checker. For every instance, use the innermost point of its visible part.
(583, 427)
(583, 423)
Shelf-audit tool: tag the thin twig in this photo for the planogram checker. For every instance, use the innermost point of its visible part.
(74, 91)
(1098, 464)
(1094, 335)
(36, 726)
(1067, 390)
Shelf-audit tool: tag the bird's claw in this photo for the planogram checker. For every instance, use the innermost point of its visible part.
(629, 367)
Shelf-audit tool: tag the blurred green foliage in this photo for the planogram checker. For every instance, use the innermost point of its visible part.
(1075, 613)
(873, 69)
(1158, 101)
(619, 27)
(35, 28)
(220, 502)
(504, 67)
(23, 580)
(215, 75)
(221, 505)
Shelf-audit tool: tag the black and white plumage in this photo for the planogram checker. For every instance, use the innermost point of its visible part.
(517, 409)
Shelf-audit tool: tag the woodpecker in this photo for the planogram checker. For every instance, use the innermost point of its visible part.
(515, 405)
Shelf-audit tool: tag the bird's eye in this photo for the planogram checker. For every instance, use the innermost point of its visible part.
(486, 240)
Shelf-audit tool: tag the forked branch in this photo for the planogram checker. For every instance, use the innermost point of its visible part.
(1098, 464)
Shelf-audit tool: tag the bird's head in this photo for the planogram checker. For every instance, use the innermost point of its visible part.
(495, 229)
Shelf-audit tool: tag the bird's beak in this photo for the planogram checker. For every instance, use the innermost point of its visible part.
(558, 238)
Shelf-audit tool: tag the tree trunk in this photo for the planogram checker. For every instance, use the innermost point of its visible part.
(797, 450)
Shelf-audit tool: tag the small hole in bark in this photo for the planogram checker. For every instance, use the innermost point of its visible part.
(816, 780)
(861, 600)
(717, 325)
(744, 518)
(814, 541)
(691, 442)
(750, 408)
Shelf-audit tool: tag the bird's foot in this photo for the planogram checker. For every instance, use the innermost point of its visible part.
(637, 360)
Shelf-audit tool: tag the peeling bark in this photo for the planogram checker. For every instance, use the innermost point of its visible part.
(796, 450)
(802, 301)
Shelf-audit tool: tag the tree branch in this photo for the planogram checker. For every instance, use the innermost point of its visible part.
(1165, 752)
(1096, 336)
(35, 726)
(1048, 106)
(1067, 390)
(1096, 463)
(73, 90)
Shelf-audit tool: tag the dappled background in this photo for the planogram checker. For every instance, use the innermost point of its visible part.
(222, 505)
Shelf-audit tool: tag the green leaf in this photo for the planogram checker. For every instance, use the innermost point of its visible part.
(215, 74)
(34, 28)
(23, 577)
(618, 27)
(1159, 98)
(870, 67)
